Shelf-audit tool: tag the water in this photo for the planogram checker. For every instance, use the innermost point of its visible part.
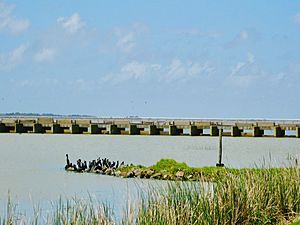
(32, 165)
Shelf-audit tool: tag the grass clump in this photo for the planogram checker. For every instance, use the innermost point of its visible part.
(265, 196)
(170, 166)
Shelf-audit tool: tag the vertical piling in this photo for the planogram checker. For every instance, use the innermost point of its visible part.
(220, 164)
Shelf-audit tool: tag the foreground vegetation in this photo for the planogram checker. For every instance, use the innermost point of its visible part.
(246, 196)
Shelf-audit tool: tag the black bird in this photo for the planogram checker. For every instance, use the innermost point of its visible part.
(68, 161)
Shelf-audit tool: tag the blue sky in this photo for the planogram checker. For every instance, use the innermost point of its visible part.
(212, 59)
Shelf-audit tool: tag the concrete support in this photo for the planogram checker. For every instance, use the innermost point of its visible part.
(113, 129)
(19, 128)
(298, 132)
(278, 132)
(214, 131)
(133, 130)
(38, 128)
(57, 129)
(173, 130)
(235, 131)
(257, 132)
(94, 129)
(153, 130)
(3, 128)
(75, 129)
(194, 131)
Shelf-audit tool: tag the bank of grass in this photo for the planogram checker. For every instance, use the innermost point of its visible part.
(237, 196)
(169, 167)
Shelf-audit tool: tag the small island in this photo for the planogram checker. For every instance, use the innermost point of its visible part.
(164, 169)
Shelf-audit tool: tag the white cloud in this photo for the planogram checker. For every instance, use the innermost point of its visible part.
(133, 71)
(288, 77)
(127, 38)
(17, 54)
(297, 18)
(243, 74)
(244, 36)
(8, 22)
(176, 70)
(45, 55)
(71, 24)
(14, 57)
(126, 42)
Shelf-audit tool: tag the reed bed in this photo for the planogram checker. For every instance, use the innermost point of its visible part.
(260, 196)
(266, 196)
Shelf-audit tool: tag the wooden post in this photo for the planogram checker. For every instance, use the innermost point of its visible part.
(220, 164)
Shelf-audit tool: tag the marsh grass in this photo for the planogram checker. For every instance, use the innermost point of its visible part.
(247, 196)
(265, 196)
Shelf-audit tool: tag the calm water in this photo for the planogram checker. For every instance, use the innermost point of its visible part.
(32, 165)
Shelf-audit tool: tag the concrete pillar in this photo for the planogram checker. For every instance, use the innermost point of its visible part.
(214, 131)
(173, 130)
(3, 128)
(153, 130)
(113, 129)
(235, 131)
(194, 131)
(94, 129)
(257, 132)
(298, 132)
(278, 132)
(19, 128)
(38, 128)
(75, 129)
(57, 129)
(133, 130)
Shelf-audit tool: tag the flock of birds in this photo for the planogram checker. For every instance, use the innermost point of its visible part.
(94, 165)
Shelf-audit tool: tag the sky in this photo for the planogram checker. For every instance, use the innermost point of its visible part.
(171, 58)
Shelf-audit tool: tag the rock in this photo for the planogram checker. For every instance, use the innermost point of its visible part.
(123, 174)
(149, 173)
(70, 168)
(130, 174)
(180, 174)
(99, 171)
(109, 171)
(117, 173)
(166, 177)
(156, 176)
(137, 173)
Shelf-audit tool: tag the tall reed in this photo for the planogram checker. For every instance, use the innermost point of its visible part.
(253, 196)
(267, 196)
